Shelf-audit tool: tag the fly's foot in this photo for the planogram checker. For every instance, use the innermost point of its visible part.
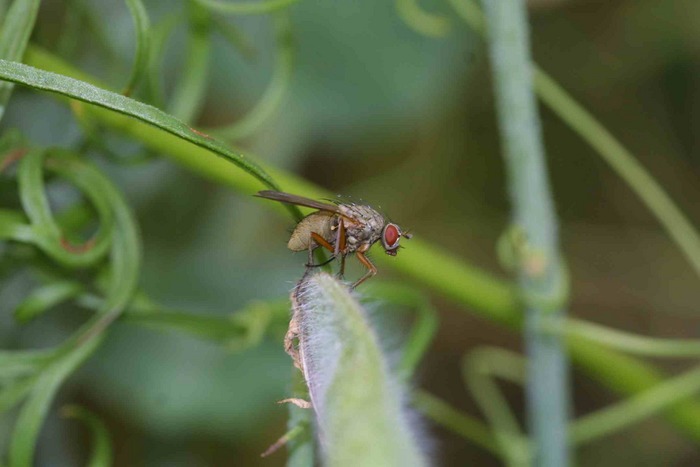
(320, 264)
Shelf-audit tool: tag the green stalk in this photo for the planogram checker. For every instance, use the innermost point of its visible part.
(619, 416)
(540, 271)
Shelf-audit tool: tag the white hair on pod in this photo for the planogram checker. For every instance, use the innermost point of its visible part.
(360, 407)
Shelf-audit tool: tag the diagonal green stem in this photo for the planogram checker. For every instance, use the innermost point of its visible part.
(636, 408)
(466, 426)
(630, 342)
(478, 370)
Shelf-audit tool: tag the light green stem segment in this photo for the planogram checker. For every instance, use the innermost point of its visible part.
(358, 404)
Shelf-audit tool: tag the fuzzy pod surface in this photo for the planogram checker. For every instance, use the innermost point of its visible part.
(359, 406)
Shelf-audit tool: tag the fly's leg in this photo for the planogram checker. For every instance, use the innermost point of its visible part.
(340, 242)
(341, 273)
(322, 242)
(371, 270)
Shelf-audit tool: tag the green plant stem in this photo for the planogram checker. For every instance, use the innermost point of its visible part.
(478, 370)
(102, 444)
(421, 21)
(541, 273)
(433, 268)
(636, 408)
(274, 94)
(423, 328)
(466, 426)
(246, 8)
(483, 364)
(631, 343)
(142, 29)
(188, 96)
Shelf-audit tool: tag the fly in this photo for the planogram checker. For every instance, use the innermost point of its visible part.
(342, 229)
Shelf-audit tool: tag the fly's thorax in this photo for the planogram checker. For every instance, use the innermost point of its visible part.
(362, 224)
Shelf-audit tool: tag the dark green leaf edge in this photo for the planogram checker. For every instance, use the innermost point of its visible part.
(82, 91)
(142, 30)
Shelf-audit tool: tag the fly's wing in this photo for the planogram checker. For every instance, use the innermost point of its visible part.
(319, 222)
(298, 200)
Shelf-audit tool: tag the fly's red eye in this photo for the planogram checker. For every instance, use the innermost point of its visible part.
(391, 235)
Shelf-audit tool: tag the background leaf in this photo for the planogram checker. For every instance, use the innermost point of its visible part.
(35, 409)
(16, 28)
(142, 29)
(102, 444)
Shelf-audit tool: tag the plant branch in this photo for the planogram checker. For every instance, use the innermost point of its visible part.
(540, 270)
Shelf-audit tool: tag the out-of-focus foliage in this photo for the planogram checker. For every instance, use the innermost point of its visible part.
(371, 109)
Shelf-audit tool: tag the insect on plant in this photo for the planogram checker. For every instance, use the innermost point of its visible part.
(342, 229)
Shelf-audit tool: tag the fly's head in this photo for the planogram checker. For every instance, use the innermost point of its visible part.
(391, 237)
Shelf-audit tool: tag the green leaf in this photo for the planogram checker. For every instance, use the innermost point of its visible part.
(421, 21)
(358, 404)
(51, 368)
(467, 426)
(424, 326)
(188, 97)
(46, 232)
(246, 8)
(273, 95)
(102, 445)
(45, 297)
(241, 330)
(19, 363)
(125, 252)
(14, 226)
(34, 410)
(13, 392)
(234, 36)
(16, 30)
(142, 28)
(159, 37)
(63, 85)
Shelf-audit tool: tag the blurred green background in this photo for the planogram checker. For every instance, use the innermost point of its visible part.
(376, 111)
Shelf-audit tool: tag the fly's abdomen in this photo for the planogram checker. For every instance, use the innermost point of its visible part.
(319, 222)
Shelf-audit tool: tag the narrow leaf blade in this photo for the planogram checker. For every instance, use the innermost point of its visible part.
(16, 29)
